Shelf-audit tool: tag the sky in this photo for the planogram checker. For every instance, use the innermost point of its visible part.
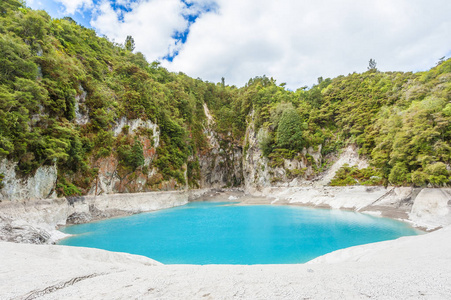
(293, 41)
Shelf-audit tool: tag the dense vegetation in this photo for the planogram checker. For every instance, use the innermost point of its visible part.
(46, 64)
(53, 70)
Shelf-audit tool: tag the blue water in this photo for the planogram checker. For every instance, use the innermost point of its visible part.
(223, 233)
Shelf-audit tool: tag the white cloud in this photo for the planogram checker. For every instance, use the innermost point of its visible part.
(74, 5)
(298, 41)
(293, 41)
(151, 23)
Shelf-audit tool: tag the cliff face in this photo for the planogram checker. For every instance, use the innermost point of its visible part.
(114, 179)
(223, 163)
(220, 165)
(261, 172)
(38, 186)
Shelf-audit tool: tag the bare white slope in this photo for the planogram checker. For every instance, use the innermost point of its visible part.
(407, 268)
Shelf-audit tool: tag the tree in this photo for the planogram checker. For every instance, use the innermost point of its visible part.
(6, 5)
(131, 156)
(441, 60)
(438, 174)
(137, 155)
(265, 141)
(289, 131)
(129, 43)
(372, 64)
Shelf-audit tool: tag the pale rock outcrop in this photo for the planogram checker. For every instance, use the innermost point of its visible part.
(40, 185)
(110, 181)
(81, 114)
(255, 165)
(349, 156)
(426, 208)
(33, 221)
(134, 125)
(133, 203)
(352, 197)
(432, 207)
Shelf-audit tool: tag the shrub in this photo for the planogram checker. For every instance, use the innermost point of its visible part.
(437, 174)
(296, 173)
(2, 176)
(64, 188)
(399, 174)
(193, 173)
(347, 175)
(419, 178)
(265, 141)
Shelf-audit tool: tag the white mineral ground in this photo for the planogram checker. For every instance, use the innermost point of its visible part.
(406, 268)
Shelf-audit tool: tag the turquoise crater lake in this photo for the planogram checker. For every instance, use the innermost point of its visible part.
(224, 233)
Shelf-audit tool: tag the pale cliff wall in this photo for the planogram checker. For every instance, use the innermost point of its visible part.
(349, 156)
(432, 208)
(221, 165)
(38, 186)
(259, 173)
(111, 180)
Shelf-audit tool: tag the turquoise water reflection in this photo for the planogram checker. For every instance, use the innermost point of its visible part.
(223, 233)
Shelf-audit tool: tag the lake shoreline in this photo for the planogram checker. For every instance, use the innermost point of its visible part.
(38, 221)
(409, 267)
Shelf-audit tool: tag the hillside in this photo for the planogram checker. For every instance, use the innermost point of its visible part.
(91, 116)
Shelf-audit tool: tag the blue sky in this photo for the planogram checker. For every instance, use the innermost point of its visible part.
(58, 10)
(294, 41)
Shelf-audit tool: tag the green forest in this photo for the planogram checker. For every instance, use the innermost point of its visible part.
(400, 122)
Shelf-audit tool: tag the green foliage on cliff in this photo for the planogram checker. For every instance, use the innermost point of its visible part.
(63, 89)
(131, 156)
(347, 175)
(401, 122)
(2, 176)
(53, 71)
(289, 130)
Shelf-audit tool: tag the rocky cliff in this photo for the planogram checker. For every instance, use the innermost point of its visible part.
(282, 170)
(220, 166)
(114, 179)
(222, 163)
(40, 185)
